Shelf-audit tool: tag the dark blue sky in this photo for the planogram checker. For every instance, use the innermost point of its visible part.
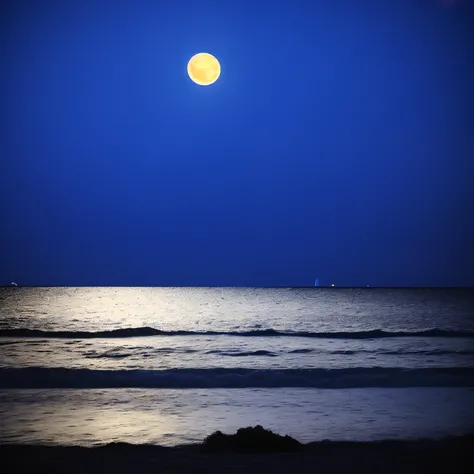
(337, 144)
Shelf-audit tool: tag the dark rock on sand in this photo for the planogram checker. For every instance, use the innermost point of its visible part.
(250, 440)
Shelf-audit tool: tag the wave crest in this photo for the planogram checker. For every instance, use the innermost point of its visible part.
(148, 331)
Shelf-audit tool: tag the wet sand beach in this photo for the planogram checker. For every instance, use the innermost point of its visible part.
(453, 455)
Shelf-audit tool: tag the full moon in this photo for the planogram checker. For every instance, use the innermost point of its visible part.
(204, 69)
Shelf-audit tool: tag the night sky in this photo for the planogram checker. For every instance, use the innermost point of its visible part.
(338, 143)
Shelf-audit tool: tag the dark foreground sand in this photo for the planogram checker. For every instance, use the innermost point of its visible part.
(455, 455)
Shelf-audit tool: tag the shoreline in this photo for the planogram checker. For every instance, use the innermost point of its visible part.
(453, 454)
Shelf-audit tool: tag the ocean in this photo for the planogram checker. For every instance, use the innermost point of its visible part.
(168, 366)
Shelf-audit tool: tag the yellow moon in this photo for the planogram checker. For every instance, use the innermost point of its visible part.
(204, 69)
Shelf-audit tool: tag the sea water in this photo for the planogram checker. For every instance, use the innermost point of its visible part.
(88, 366)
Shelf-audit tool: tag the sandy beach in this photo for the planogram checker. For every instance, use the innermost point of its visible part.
(453, 455)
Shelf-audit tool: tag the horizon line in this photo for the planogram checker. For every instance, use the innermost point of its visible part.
(250, 286)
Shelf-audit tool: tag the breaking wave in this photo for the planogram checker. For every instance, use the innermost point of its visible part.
(39, 377)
